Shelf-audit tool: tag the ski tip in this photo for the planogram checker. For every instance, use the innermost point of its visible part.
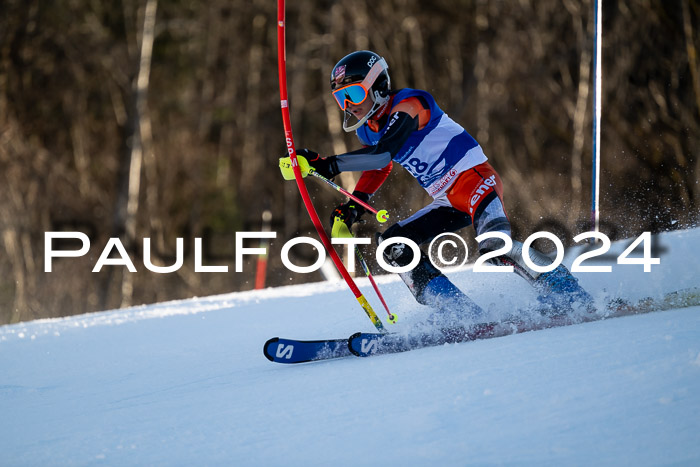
(266, 347)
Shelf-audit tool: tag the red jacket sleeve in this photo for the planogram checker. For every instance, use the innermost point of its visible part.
(371, 180)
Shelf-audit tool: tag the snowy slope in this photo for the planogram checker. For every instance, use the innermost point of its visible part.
(186, 383)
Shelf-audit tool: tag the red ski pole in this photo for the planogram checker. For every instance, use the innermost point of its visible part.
(382, 215)
(341, 230)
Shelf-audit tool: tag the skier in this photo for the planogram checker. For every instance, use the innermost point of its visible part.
(406, 126)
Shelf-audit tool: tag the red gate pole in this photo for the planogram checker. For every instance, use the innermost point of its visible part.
(282, 69)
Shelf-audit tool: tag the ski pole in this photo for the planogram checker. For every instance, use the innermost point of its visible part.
(382, 215)
(341, 230)
(363, 263)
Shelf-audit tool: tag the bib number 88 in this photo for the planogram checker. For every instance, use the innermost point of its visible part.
(417, 165)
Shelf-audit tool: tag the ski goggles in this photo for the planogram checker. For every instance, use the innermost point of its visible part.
(356, 93)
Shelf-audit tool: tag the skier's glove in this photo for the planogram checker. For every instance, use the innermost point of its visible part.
(351, 211)
(287, 169)
(326, 167)
(309, 160)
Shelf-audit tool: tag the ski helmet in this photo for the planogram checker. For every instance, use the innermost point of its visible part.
(357, 76)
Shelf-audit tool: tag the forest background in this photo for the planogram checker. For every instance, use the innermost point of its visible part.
(161, 119)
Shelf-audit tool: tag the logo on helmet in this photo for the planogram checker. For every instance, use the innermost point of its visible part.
(339, 74)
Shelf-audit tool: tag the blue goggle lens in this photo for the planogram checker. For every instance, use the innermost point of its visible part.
(353, 93)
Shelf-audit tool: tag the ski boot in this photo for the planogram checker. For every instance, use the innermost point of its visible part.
(448, 301)
(430, 287)
(560, 291)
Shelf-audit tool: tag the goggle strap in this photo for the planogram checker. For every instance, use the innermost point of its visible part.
(374, 72)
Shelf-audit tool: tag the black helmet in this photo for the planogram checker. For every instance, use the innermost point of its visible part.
(354, 68)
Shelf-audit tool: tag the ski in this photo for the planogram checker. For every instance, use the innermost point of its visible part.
(363, 344)
(366, 344)
(296, 351)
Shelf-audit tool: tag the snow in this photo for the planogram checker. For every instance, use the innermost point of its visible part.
(186, 383)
